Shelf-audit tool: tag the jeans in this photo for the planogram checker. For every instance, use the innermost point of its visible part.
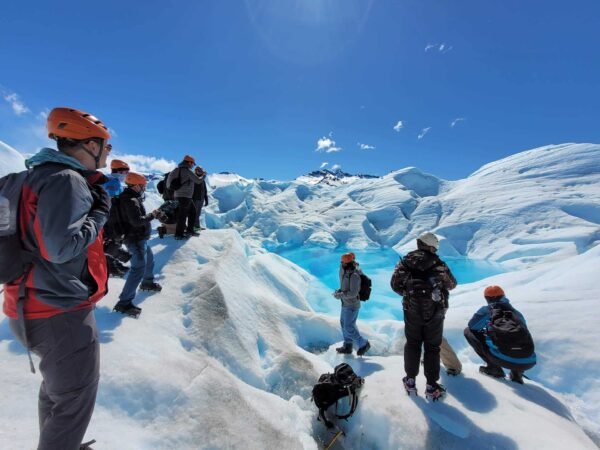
(142, 267)
(349, 329)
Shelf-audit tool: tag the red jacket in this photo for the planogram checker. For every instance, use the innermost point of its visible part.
(59, 226)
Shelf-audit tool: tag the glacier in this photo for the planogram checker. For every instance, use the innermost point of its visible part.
(226, 355)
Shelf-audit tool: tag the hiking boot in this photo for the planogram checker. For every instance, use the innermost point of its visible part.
(364, 349)
(492, 371)
(345, 349)
(453, 372)
(409, 385)
(434, 391)
(161, 231)
(192, 233)
(517, 377)
(129, 309)
(150, 286)
(180, 238)
(198, 229)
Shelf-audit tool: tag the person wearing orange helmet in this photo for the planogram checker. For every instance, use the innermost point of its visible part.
(181, 182)
(498, 333)
(136, 226)
(349, 274)
(118, 170)
(51, 306)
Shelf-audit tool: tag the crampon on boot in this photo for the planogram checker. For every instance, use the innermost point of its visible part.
(517, 377)
(434, 391)
(409, 385)
(129, 310)
(364, 349)
(150, 286)
(492, 371)
(345, 349)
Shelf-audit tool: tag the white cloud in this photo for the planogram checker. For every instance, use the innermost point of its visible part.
(43, 115)
(365, 146)
(441, 48)
(145, 164)
(335, 167)
(456, 121)
(323, 165)
(327, 145)
(398, 126)
(17, 105)
(423, 132)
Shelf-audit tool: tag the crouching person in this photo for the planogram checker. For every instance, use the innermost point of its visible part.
(348, 294)
(136, 226)
(498, 333)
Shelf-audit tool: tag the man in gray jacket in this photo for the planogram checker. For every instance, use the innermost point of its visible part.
(51, 306)
(181, 181)
(348, 294)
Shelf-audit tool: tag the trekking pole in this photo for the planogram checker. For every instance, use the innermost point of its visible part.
(337, 435)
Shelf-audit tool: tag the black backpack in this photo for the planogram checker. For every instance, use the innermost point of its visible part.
(418, 289)
(332, 387)
(365, 288)
(508, 333)
(14, 259)
(176, 182)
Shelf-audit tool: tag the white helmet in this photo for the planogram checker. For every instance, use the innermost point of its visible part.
(430, 240)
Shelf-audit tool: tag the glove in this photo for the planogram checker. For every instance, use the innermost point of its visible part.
(101, 199)
(337, 294)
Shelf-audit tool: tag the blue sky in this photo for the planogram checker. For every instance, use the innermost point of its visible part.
(256, 87)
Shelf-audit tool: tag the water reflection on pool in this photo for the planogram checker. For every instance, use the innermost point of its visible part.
(378, 264)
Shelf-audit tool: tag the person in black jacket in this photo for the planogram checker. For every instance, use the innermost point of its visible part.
(200, 195)
(423, 280)
(136, 225)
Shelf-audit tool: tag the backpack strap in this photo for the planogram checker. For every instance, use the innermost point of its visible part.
(323, 419)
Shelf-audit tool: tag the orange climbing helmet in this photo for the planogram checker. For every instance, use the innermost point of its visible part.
(493, 292)
(75, 124)
(117, 164)
(348, 258)
(134, 179)
(189, 158)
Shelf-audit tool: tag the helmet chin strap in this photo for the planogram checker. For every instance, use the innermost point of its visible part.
(96, 158)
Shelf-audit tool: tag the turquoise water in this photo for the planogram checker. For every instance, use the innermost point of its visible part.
(378, 264)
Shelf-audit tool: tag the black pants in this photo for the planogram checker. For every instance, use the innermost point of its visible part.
(477, 341)
(185, 213)
(198, 204)
(421, 333)
(70, 365)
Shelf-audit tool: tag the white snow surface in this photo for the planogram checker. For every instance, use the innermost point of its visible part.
(10, 160)
(226, 355)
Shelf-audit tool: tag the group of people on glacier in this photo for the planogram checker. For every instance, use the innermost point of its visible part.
(54, 269)
(497, 332)
(59, 220)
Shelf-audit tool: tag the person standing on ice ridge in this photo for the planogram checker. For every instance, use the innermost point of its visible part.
(424, 282)
(181, 181)
(200, 196)
(51, 306)
(498, 333)
(348, 294)
(136, 224)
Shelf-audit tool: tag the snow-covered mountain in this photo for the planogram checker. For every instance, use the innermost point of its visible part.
(10, 159)
(226, 355)
(537, 205)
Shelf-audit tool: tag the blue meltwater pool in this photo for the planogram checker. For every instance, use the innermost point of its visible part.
(378, 264)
